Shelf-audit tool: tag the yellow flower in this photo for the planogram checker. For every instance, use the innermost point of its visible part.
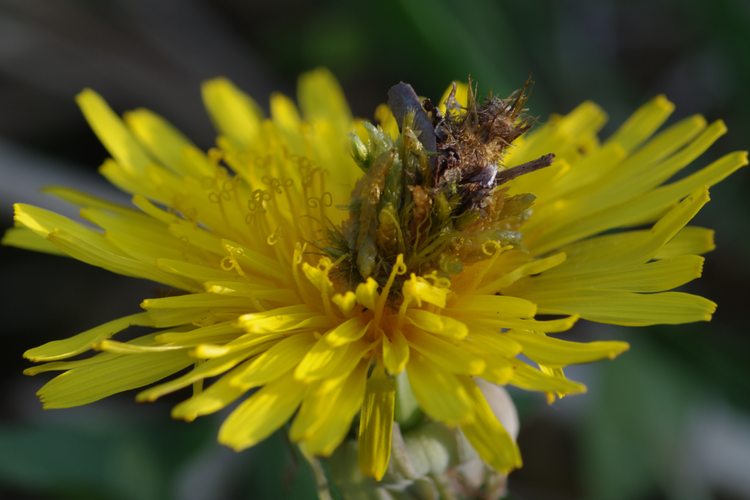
(271, 307)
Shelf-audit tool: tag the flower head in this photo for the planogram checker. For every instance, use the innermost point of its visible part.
(315, 258)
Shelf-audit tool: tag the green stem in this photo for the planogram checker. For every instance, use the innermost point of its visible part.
(321, 481)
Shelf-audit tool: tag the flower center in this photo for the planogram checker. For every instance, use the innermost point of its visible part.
(435, 194)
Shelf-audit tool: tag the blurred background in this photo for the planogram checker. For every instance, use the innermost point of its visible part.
(670, 419)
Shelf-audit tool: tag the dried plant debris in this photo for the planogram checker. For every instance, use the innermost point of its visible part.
(436, 194)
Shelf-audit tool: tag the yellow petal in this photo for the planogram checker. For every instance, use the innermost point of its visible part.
(202, 335)
(367, 293)
(326, 414)
(531, 379)
(643, 209)
(642, 172)
(117, 347)
(387, 121)
(492, 306)
(320, 98)
(536, 266)
(395, 352)
(283, 319)
(626, 308)
(438, 324)
(112, 132)
(81, 199)
(168, 144)
(251, 291)
(87, 245)
(657, 276)
(555, 352)
(324, 361)
(419, 290)
(23, 237)
(203, 370)
(194, 300)
(670, 222)
(445, 355)
(196, 236)
(644, 122)
(493, 343)
(135, 238)
(91, 383)
(543, 326)
(197, 272)
(488, 436)
(56, 366)
(650, 166)
(690, 240)
(439, 393)
(251, 260)
(217, 396)
(376, 424)
(261, 414)
(566, 136)
(666, 142)
(284, 113)
(276, 361)
(591, 168)
(233, 112)
(346, 332)
(345, 302)
(145, 340)
(65, 348)
(609, 253)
